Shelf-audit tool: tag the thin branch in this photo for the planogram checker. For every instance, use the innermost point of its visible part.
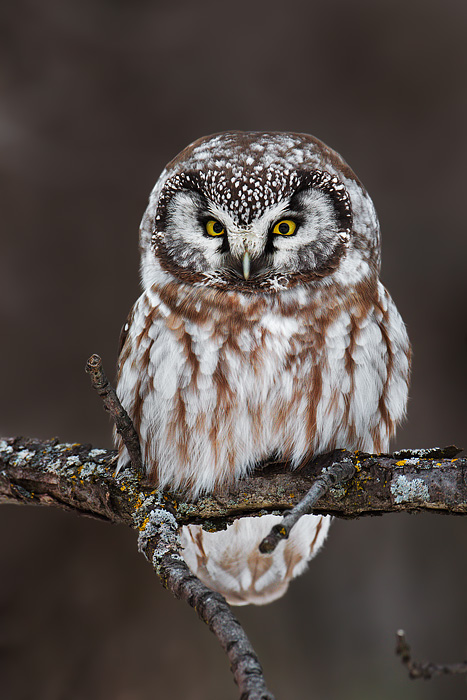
(122, 420)
(425, 669)
(334, 475)
(159, 543)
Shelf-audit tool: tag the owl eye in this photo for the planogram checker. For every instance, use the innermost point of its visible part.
(214, 228)
(286, 227)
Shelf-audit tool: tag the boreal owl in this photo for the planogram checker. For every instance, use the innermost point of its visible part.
(262, 331)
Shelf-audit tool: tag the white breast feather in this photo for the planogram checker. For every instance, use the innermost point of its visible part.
(263, 384)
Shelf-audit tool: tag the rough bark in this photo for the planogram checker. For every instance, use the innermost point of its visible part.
(78, 477)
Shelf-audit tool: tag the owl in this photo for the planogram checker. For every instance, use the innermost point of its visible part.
(262, 332)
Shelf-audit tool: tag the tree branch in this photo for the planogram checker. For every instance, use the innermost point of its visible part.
(159, 543)
(78, 477)
(425, 669)
(123, 423)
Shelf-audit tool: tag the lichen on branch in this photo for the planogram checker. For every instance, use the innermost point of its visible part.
(82, 478)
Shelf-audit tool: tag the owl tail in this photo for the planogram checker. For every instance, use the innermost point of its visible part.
(230, 563)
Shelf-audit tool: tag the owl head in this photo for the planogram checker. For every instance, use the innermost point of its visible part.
(259, 212)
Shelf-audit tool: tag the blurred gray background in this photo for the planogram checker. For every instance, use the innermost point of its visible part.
(96, 96)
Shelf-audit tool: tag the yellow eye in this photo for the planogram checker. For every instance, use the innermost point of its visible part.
(286, 227)
(214, 228)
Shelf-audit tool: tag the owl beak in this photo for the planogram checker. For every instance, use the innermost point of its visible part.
(246, 264)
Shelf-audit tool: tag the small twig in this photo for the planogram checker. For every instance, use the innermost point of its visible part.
(122, 420)
(160, 544)
(334, 475)
(425, 669)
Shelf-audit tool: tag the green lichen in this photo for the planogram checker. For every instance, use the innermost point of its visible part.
(406, 490)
